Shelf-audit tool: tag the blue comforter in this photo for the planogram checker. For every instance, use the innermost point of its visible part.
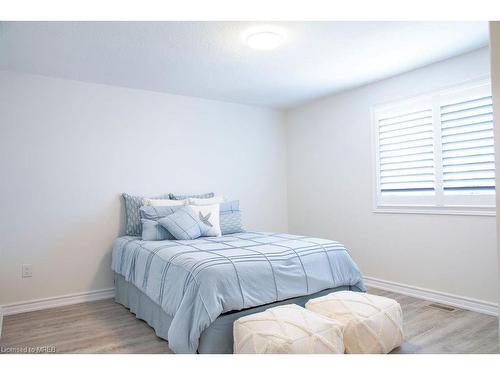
(196, 281)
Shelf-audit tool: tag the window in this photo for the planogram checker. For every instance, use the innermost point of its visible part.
(435, 153)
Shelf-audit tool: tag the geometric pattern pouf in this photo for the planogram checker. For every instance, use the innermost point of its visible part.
(372, 324)
(287, 329)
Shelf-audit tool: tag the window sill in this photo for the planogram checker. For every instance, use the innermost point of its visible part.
(432, 210)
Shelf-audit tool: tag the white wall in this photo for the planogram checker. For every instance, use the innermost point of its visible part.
(330, 187)
(69, 149)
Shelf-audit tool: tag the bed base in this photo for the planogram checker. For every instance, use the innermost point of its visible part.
(218, 337)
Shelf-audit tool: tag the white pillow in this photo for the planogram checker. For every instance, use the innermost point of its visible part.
(164, 202)
(205, 201)
(209, 214)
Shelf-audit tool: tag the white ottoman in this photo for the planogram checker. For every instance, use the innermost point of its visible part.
(372, 324)
(287, 329)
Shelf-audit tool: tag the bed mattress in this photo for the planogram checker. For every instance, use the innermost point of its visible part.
(195, 282)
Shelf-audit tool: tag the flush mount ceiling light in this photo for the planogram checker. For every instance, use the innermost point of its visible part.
(264, 40)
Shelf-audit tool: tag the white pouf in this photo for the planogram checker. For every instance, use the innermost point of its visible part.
(372, 324)
(287, 329)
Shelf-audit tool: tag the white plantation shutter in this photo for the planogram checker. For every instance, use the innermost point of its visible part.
(437, 150)
(406, 152)
(468, 153)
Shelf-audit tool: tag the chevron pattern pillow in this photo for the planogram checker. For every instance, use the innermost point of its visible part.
(133, 203)
(230, 218)
(230, 222)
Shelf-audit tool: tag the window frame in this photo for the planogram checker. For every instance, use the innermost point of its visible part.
(437, 202)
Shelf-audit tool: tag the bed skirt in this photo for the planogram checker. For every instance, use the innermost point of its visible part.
(218, 337)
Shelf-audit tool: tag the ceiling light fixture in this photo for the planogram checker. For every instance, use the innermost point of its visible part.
(264, 41)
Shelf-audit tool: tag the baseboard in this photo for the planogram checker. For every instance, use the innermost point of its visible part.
(47, 303)
(465, 303)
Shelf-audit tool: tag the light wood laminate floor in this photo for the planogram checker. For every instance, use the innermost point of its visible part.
(107, 327)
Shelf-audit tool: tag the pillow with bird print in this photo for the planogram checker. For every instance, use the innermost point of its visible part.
(209, 215)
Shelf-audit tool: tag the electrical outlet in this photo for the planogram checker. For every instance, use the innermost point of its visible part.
(27, 270)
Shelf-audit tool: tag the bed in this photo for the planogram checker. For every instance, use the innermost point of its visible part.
(192, 291)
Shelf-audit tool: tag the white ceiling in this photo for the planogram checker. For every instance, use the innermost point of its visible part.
(211, 60)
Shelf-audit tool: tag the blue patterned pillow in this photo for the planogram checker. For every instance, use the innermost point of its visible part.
(186, 196)
(229, 206)
(153, 231)
(157, 212)
(183, 224)
(230, 222)
(133, 226)
(230, 218)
